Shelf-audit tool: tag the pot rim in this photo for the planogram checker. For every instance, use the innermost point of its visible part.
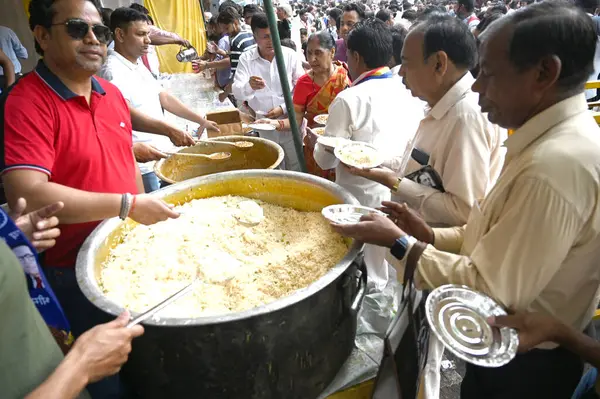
(280, 154)
(90, 288)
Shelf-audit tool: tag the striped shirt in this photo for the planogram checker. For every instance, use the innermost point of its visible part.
(241, 42)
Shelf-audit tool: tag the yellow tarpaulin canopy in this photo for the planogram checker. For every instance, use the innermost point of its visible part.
(183, 17)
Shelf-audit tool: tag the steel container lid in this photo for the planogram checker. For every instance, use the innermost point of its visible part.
(458, 317)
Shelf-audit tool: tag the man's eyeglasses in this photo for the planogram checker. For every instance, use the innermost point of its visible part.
(78, 28)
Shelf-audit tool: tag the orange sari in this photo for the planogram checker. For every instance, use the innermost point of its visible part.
(318, 104)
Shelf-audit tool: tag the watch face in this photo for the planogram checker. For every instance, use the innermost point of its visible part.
(399, 248)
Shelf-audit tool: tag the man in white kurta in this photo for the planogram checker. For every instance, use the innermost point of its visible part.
(371, 111)
(257, 82)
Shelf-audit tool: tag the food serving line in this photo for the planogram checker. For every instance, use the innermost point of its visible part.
(346, 352)
(324, 340)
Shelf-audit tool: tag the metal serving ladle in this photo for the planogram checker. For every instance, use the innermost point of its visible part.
(216, 156)
(219, 274)
(240, 145)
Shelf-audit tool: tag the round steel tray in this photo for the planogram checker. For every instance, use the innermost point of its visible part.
(458, 317)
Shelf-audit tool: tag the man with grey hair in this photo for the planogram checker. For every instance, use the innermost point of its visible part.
(533, 243)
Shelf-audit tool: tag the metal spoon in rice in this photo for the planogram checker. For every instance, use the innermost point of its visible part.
(218, 274)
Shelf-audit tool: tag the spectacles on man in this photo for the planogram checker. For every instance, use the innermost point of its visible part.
(78, 28)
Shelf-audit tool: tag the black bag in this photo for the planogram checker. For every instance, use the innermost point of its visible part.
(405, 350)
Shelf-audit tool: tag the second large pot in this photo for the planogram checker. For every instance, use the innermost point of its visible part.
(291, 348)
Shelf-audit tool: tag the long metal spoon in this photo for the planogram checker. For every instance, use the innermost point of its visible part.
(222, 276)
(216, 156)
(240, 145)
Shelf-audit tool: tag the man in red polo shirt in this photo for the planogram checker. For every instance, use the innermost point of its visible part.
(67, 136)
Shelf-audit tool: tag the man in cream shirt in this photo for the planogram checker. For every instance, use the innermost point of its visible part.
(456, 155)
(376, 109)
(534, 242)
(257, 81)
(141, 90)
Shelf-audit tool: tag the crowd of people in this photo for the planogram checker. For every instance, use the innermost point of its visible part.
(491, 179)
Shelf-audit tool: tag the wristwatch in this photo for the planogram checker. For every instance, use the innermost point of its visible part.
(396, 185)
(401, 246)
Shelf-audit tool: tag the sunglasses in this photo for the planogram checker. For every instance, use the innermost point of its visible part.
(78, 29)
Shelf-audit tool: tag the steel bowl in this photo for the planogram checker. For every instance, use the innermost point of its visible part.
(291, 348)
(265, 154)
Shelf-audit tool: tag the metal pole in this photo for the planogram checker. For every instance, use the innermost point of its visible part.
(287, 92)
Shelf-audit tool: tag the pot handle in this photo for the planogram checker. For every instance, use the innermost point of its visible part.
(361, 275)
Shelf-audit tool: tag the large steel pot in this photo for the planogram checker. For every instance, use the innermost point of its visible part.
(290, 348)
(265, 154)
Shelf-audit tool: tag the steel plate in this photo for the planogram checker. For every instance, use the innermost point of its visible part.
(347, 214)
(458, 317)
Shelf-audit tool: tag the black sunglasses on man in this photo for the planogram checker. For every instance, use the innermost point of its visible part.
(78, 28)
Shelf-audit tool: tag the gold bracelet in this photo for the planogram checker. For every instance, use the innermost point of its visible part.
(396, 185)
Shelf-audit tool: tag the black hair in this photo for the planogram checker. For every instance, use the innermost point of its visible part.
(369, 14)
(228, 16)
(554, 28)
(259, 21)
(497, 8)
(588, 5)
(356, 7)
(140, 8)
(123, 16)
(325, 39)
(383, 15)
(469, 5)
(443, 32)
(303, 31)
(105, 13)
(409, 15)
(228, 3)
(251, 9)
(430, 10)
(398, 36)
(41, 12)
(336, 14)
(289, 43)
(487, 20)
(372, 40)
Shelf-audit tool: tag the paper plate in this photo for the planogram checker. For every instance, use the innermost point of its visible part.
(331, 142)
(359, 154)
(261, 126)
(457, 316)
(318, 130)
(347, 214)
(321, 119)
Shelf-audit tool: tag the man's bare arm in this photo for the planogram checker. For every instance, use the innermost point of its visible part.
(66, 382)
(80, 206)
(8, 68)
(144, 123)
(176, 107)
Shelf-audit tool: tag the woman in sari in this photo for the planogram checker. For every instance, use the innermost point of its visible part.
(315, 91)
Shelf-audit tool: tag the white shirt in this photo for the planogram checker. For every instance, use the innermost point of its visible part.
(142, 91)
(374, 112)
(466, 151)
(534, 242)
(252, 64)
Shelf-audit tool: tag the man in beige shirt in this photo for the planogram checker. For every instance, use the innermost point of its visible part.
(534, 242)
(456, 152)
